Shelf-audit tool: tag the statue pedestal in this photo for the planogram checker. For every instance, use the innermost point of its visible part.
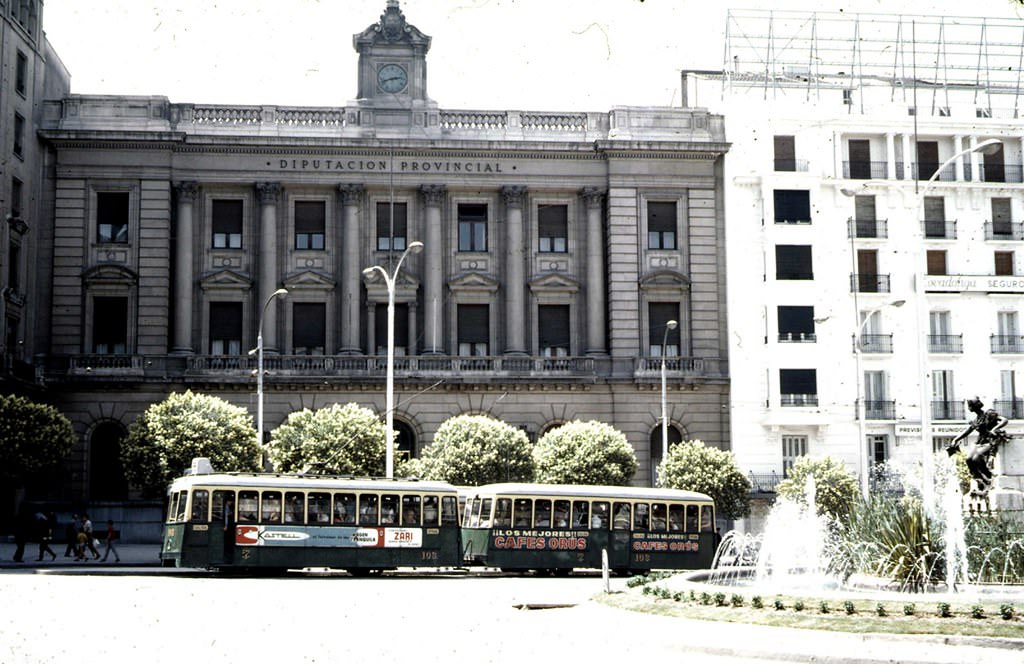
(1007, 497)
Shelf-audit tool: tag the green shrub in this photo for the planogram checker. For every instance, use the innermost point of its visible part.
(824, 607)
(977, 611)
(909, 609)
(849, 608)
(798, 605)
(757, 602)
(836, 488)
(694, 466)
(584, 453)
(736, 600)
(880, 610)
(779, 606)
(1006, 611)
(719, 599)
(705, 599)
(943, 610)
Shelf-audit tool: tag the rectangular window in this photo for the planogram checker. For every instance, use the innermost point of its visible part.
(16, 189)
(928, 160)
(227, 224)
(692, 518)
(600, 519)
(1004, 263)
(865, 217)
(318, 508)
(542, 515)
(1002, 218)
(553, 330)
(380, 322)
(391, 238)
(676, 518)
(19, 135)
(868, 279)
(553, 228)
(621, 516)
(310, 220)
(641, 516)
(878, 448)
(580, 515)
(522, 514)
(309, 321)
(294, 507)
(112, 216)
(796, 323)
(21, 74)
(798, 387)
(13, 270)
(661, 225)
(110, 325)
(785, 153)
(430, 511)
(225, 328)
(935, 217)
(248, 506)
(368, 503)
(793, 447)
(472, 227)
(389, 510)
(860, 159)
(936, 261)
(449, 511)
(792, 206)
(793, 262)
(473, 329)
(994, 167)
(658, 316)
(270, 507)
(200, 505)
(410, 510)
(344, 509)
(222, 509)
(503, 513)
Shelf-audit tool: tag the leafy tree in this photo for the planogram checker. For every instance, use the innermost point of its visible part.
(34, 438)
(584, 453)
(162, 442)
(693, 466)
(345, 439)
(474, 450)
(835, 487)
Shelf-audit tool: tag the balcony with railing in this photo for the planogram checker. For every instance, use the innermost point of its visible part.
(764, 482)
(1010, 173)
(867, 228)
(873, 343)
(1007, 343)
(791, 165)
(925, 171)
(865, 170)
(947, 410)
(945, 343)
(878, 410)
(797, 337)
(939, 229)
(1011, 409)
(798, 400)
(680, 367)
(1006, 231)
(869, 283)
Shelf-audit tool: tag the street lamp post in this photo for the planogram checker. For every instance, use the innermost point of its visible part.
(865, 463)
(389, 416)
(671, 325)
(259, 365)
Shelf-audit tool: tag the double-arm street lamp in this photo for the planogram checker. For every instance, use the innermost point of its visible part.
(259, 365)
(389, 416)
(670, 325)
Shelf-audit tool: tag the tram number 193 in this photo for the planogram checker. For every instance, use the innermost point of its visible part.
(642, 557)
(429, 555)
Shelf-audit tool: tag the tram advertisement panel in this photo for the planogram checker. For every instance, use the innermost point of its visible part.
(330, 536)
(665, 542)
(540, 540)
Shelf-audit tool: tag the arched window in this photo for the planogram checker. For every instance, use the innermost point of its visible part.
(106, 474)
(674, 436)
(405, 441)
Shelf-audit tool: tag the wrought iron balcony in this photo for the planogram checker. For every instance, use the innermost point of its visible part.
(869, 283)
(1000, 173)
(1011, 409)
(797, 337)
(1007, 343)
(865, 170)
(791, 165)
(1004, 230)
(878, 410)
(939, 229)
(799, 399)
(874, 343)
(947, 410)
(867, 228)
(764, 482)
(945, 343)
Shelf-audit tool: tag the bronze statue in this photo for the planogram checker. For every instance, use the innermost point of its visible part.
(989, 424)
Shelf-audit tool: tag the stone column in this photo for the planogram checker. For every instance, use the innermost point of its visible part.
(183, 283)
(351, 268)
(593, 201)
(371, 328)
(268, 194)
(515, 270)
(433, 269)
(410, 349)
(890, 156)
(958, 165)
(909, 157)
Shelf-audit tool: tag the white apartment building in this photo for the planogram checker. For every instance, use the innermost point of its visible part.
(840, 239)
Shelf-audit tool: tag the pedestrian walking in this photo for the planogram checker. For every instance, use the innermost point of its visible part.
(90, 542)
(44, 530)
(71, 535)
(111, 536)
(22, 528)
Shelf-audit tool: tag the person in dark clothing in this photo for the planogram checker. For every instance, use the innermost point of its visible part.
(71, 535)
(44, 531)
(22, 528)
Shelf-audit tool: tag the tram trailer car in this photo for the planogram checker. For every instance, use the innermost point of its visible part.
(265, 522)
(556, 528)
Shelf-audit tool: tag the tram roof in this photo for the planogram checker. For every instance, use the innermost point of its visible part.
(308, 482)
(589, 491)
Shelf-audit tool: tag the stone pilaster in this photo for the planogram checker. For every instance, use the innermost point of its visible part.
(183, 281)
(268, 194)
(514, 281)
(433, 196)
(593, 201)
(351, 195)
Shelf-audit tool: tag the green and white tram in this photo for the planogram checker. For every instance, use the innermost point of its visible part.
(555, 528)
(251, 522)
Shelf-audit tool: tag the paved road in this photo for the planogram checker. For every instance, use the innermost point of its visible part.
(136, 614)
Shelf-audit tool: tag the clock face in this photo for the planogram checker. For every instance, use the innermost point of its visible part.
(392, 78)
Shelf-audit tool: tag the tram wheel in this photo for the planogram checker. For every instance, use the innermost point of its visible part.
(562, 571)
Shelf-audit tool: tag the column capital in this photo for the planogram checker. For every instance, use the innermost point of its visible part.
(187, 190)
(433, 194)
(268, 193)
(592, 196)
(350, 192)
(513, 195)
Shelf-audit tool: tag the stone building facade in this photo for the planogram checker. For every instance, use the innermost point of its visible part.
(556, 247)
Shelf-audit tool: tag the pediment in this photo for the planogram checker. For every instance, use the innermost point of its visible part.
(309, 280)
(665, 280)
(225, 280)
(554, 282)
(473, 281)
(406, 287)
(109, 273)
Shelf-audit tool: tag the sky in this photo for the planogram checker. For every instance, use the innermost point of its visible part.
(553, 55)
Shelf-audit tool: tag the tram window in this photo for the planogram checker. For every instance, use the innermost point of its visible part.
(220, 500)
(503, 513)
(561, 516)
(641, 516)
(658, 517)
(485, 513)
(542, 517)
(599, 520)
(449, 510)
(318, 508)
(467, 509)
(248, 505)
(345, 509)
(523, 512)
(389, 510)
(410, 510)
(293, 507)
(182, 502)
(691, 518)
(200, 504)
(706, 521)
(430, 512)
(271, 512)
(367, 509)
(621, 520)
(675, 518)
(474, 512)
(580, 514)
(172, 507)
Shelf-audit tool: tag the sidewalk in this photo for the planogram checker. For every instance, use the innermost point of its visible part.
(132, 555)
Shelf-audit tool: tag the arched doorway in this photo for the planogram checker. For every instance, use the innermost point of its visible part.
(106, 474)
(674, 436)
(405, 441)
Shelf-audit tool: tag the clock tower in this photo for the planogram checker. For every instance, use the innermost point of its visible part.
(393, 73)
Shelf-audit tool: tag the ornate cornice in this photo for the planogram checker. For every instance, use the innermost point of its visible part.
(268, 193)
